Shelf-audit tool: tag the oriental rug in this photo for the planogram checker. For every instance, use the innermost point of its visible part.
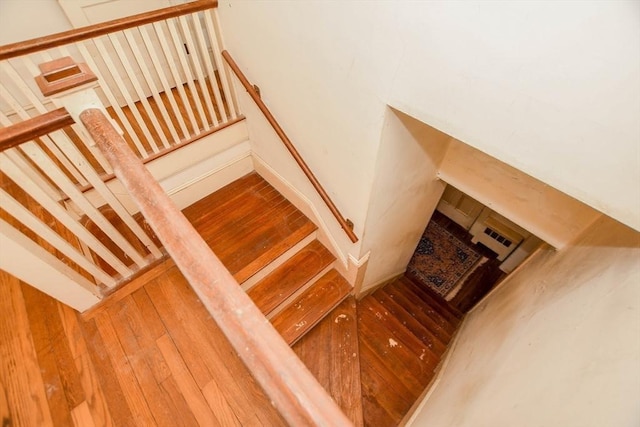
(441, 260)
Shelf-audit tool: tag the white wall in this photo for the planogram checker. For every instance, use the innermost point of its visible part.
(26, 19)
(551, 88)
(406, 192)
(556, 345)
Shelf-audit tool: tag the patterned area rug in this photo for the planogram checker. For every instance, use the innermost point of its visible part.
(441, 260)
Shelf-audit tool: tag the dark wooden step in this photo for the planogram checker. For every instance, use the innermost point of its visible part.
(311, 306)
(331, 352)
(405, 364)
(285, 280)
(385, 400)
(407, 301)
(400, 333)
(426, 307)
(434, 301)
(410, 322)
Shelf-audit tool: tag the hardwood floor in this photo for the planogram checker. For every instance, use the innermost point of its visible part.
(155, 357)
(331, 353)
(403, 333)
(152, 355)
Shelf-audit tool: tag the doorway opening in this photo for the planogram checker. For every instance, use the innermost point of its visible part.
(467, 249)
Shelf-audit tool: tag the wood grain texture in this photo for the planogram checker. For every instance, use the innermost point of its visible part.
(402, 339)
(248, 224)
(31, 129)
(152, 354)
(132, 363)
(331, 352)
(284, 281)
(23, 387)
(311, 306)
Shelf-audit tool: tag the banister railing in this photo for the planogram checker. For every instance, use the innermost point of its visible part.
(34, 128)
(346, 225)
(160, 75)
(294, 391)
(79, 34)
(40, 169)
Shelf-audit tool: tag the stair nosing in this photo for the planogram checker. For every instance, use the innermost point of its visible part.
(307, 327)
(286, 302)
(278, 262)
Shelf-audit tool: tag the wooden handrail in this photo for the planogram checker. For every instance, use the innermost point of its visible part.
(33, 128)
(91, 31)
(346, 226)
(296, 394)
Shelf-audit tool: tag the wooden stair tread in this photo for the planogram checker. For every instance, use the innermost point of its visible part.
(248, 224)
(406, 364)
(385, 408)
(284, 281)
(401, 347)
(311, 306)
(407, 320)
(331, 353)
(399, 294)
(426, 307)
(436, 302)
(400, 333)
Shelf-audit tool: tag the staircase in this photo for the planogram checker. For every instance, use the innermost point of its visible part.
(376, 356)
(270, 248)
(403, 333)
(151, 353)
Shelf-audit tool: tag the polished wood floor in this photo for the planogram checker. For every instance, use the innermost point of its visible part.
(154, 357)
(151, 354)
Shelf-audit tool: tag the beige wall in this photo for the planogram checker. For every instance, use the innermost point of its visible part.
(26, 19)
(551, 88)
(556, 345)
(540, 209)
(406, 192)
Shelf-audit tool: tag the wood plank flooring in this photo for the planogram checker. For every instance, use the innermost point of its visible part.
(402, 333)
(331, 353)
(153, 358)
(248, 224)
(152, 355)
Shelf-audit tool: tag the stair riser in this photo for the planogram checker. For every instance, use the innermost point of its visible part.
(269, 268)
(299, 292)
(312, 325)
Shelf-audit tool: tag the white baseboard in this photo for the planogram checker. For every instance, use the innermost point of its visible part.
(189, 192)
(301, 202)
(380, 283)
(194, 171)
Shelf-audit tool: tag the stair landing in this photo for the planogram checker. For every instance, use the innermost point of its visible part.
(248, 224)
